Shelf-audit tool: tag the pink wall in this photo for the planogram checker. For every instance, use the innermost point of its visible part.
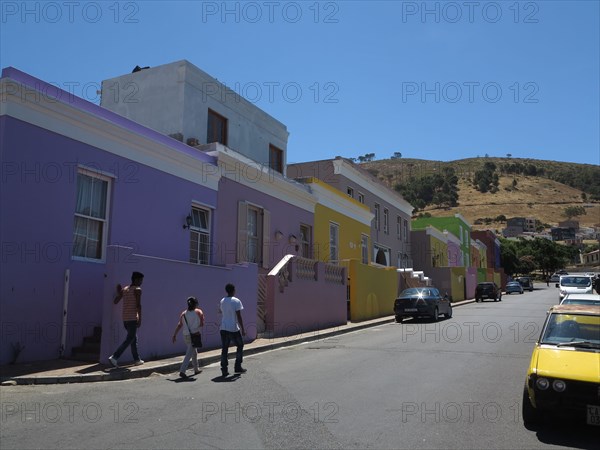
(305, 305)
(471, 277)
(167, 284)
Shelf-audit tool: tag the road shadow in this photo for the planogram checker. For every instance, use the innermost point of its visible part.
(227, 379)
(566, 433)
(178, 379)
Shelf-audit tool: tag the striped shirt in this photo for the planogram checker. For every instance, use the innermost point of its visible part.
(130, 303)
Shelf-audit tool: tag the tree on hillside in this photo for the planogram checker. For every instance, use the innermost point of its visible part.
(486, 179)
(574, 211)
(440, 189)
(396, 155)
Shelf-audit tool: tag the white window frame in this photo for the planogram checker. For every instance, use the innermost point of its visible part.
(334, 243)
(386, 250)
(399, 227)
(361, 198)
(305, 240)
(364, 248)
(350, 192)
(405, 229)
(199, 231)
(104, 221)
(386, 221)
(377, 215)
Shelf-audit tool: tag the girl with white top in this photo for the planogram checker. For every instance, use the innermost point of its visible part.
(195, 321)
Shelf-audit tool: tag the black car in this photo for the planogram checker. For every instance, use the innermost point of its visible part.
(526, 282)
(422, 302)
(488, 290)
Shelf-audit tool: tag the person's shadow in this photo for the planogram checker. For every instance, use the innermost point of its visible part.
(227, 379)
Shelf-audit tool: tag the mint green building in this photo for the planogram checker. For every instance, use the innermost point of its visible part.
(456, 225)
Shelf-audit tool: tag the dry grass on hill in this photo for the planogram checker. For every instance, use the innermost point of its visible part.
(532, 196)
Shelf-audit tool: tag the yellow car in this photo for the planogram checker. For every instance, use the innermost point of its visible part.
(563, 378)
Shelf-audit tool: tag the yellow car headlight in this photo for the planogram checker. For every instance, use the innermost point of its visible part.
(542, 384)
(559, 385)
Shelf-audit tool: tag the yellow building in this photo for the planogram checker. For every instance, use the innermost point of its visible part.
(342, 225)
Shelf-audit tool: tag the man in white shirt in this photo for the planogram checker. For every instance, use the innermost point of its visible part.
(231, 324)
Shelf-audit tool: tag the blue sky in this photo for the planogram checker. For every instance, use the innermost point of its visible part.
(431, 80)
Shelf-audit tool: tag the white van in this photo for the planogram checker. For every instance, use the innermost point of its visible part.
(574, 284)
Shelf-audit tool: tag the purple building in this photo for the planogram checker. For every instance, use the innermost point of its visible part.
(88, 197)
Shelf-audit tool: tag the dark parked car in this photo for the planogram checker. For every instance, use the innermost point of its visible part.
(488, 289)
(526, 282)
(422, 302)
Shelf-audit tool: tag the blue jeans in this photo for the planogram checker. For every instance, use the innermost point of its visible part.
(226, 338)
(131, 339)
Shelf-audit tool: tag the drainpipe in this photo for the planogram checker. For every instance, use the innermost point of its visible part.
(63, 338)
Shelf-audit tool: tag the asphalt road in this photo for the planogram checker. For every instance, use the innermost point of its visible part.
(452, 384)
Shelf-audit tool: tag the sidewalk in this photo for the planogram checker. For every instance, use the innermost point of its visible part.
(69, 371)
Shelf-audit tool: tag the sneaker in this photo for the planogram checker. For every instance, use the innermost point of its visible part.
(139, 362)
(183, 375)
(240, 370)
(196, 372)
(113, 361)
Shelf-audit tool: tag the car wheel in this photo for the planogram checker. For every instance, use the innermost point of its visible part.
(399, 319)
(449, 313)
(436, 315)
(531, 416)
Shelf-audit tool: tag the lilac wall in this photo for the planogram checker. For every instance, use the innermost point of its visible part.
(304, 305)
(284, 217)
(167, 284)
(38, 196)
(454, 255)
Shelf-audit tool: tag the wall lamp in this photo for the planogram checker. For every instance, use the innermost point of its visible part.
(292, 239)
(188, 222)
(278, 235)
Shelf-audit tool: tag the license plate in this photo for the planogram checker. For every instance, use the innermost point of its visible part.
(593, 415)
(411, 310)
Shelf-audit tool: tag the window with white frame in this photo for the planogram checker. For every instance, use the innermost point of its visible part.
(200, 235)
(405, 230)
(382, 255)
(305, 240)
(253, 234)
(386, 221)
(361, 198)
(364, 248)
(377, 213)
(399, 227)
(90, 226)
(334, 242)
(350, 192)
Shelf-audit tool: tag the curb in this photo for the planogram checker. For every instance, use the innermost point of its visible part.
(126, 374)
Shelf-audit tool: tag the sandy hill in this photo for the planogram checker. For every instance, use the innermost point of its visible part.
(539, 196)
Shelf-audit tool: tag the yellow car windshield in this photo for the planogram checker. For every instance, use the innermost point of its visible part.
(563, 329)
